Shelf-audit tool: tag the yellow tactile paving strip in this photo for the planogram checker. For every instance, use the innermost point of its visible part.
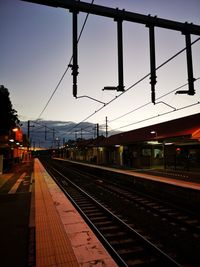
(62, 236)
(53, 248)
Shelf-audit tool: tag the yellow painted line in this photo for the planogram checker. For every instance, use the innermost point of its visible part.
(17, 184)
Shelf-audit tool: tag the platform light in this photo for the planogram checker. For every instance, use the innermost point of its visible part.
(153, 132)
(15, 129)
(168, 143)
(153, 142)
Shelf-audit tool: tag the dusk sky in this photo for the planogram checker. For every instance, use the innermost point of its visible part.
(36, 47)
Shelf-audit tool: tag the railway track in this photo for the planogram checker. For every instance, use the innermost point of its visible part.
(187, 220)
(127, 246)
(178, 229)
(176, 215)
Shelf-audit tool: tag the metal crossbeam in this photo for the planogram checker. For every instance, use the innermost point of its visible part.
(121, 14)
(76, 6)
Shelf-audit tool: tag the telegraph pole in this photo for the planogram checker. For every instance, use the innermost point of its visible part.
(28, 135)
(75, 133)
(45, 132)
(28, 131)
(97, 130)
(81, 133)
(106, 126)
(53, 137)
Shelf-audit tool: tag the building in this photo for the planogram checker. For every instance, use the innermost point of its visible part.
(172, 144)
(13, 147)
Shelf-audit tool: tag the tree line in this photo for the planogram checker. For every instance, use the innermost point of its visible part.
(8, 115)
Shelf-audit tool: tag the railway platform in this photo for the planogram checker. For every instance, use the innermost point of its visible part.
(184, 187)
(188, 180)
(15, 199)
(40, 227)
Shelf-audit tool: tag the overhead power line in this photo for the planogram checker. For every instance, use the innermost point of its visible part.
(136, 109)
(156, 116)
(122, 91)
(68, 66)
(148, 103)
(112, 100)
(133, 85)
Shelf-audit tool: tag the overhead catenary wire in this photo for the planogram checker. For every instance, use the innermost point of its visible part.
(116, 96)
(42, 125)
(66, 70)
(158, 115)
(148, 103)
(164, 95)
(112, 100)
(136, 83)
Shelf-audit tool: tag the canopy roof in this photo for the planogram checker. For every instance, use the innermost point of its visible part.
(188, 127)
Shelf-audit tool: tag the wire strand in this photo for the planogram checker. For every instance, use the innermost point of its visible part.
(112, 100)
(133, 85)
(148, 103)
(83, 26)
(156, 116)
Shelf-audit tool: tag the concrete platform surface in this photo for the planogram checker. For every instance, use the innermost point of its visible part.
(62, 236)
(40, 227)
(15, 199)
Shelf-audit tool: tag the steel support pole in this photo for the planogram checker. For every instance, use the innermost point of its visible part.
(191, 79)
(120, 86)
(53, 135)
(45, 132)
(106, 126)
(97, 130)
(152, 62)
(28, 129)
(75, 52)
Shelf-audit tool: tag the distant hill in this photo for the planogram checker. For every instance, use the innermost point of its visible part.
(47, 134)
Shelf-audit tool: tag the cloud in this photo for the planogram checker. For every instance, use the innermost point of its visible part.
(48, 134)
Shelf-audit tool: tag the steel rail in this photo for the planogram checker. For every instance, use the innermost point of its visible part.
(123, 192)
(113, 252)
(108, 246)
